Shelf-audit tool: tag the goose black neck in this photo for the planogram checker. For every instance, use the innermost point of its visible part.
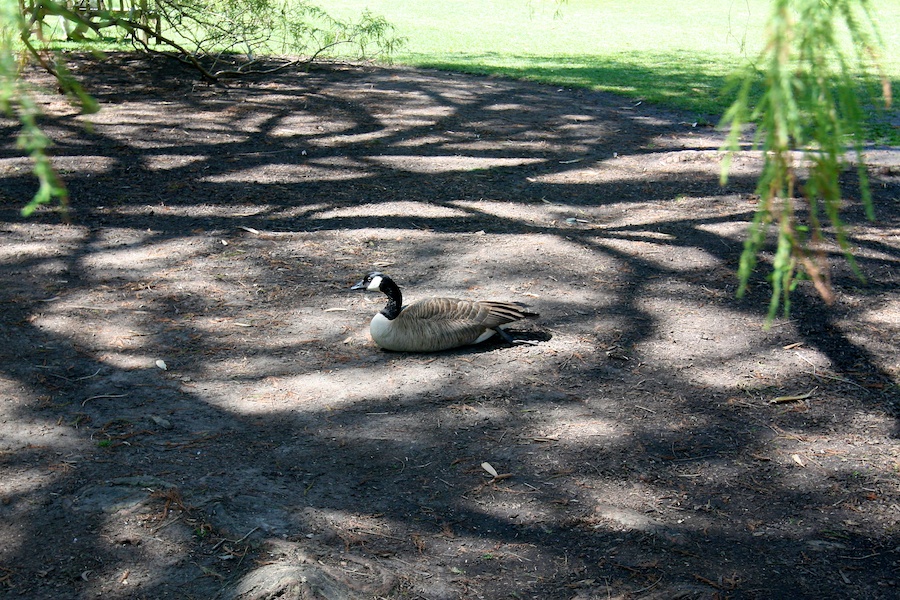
(395, 298)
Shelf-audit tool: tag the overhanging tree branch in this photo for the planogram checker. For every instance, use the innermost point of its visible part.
(808, 117)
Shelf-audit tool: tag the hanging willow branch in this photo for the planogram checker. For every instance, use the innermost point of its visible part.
(808, 117)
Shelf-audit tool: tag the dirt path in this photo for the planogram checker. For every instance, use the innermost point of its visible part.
(191, 406)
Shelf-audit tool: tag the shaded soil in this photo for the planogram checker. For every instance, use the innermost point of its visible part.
(192, 408)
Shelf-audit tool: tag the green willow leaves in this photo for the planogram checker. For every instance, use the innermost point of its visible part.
(810, 114)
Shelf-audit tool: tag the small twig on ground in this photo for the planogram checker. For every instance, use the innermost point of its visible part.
(815, 373)
(99, 396)
(708, 582)
(265, 233)
(77, 378)
(6, 578)
(199, 440)
(648, 588)
(873, 555)
(167, 523)
(841, 379)
(382, 535)
(783, 399)
(238, 541)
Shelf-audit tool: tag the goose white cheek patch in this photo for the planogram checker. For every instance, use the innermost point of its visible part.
(375, 284)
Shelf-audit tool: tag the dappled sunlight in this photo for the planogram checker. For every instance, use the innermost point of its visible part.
(187, 209)
(525, 213)
(150, 257)
(143, 130)
(58, 460)
(311, 391)
(57, 447)
(89, 166)
(478, 146)
(426, 114)
(878, 246)
(421, 141)
(121, 327)
(107, 330)
(116, 358)
(114, 239)
(555, 430)
(306, 125)
(352, 139)
(645, 218)
(134, 113)
(700, 339)
(190, 377)
(406, 431)
(444, 164)
(291, 212)
(580, 174)
(733, 231)
(884, 315)
(691, 260)
(163, 162)
(339, 380)
(882, 323)
(28, 250)
(332, 169)
(509, 106)
(624, 166)
(382, 209)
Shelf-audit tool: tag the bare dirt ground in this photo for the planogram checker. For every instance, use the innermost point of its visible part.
(192, 408)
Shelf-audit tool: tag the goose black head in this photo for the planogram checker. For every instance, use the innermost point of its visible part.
(379, 282)
(371, 282)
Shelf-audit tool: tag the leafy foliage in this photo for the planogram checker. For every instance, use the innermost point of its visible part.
(226, 37)
(17, 101)
(809, 114)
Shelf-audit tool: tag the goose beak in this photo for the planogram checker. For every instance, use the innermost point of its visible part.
(360, 285)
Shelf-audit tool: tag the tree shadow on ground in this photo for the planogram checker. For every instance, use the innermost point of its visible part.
(645, 448)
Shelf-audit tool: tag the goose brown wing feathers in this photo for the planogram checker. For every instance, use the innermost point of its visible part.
(442, 323)
(486, 314)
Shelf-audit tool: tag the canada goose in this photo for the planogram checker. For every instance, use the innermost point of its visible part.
(435, 324)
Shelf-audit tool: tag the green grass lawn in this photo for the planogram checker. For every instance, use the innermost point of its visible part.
(679, 54)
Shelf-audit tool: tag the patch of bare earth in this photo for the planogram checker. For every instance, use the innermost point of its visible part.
(192, 408)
